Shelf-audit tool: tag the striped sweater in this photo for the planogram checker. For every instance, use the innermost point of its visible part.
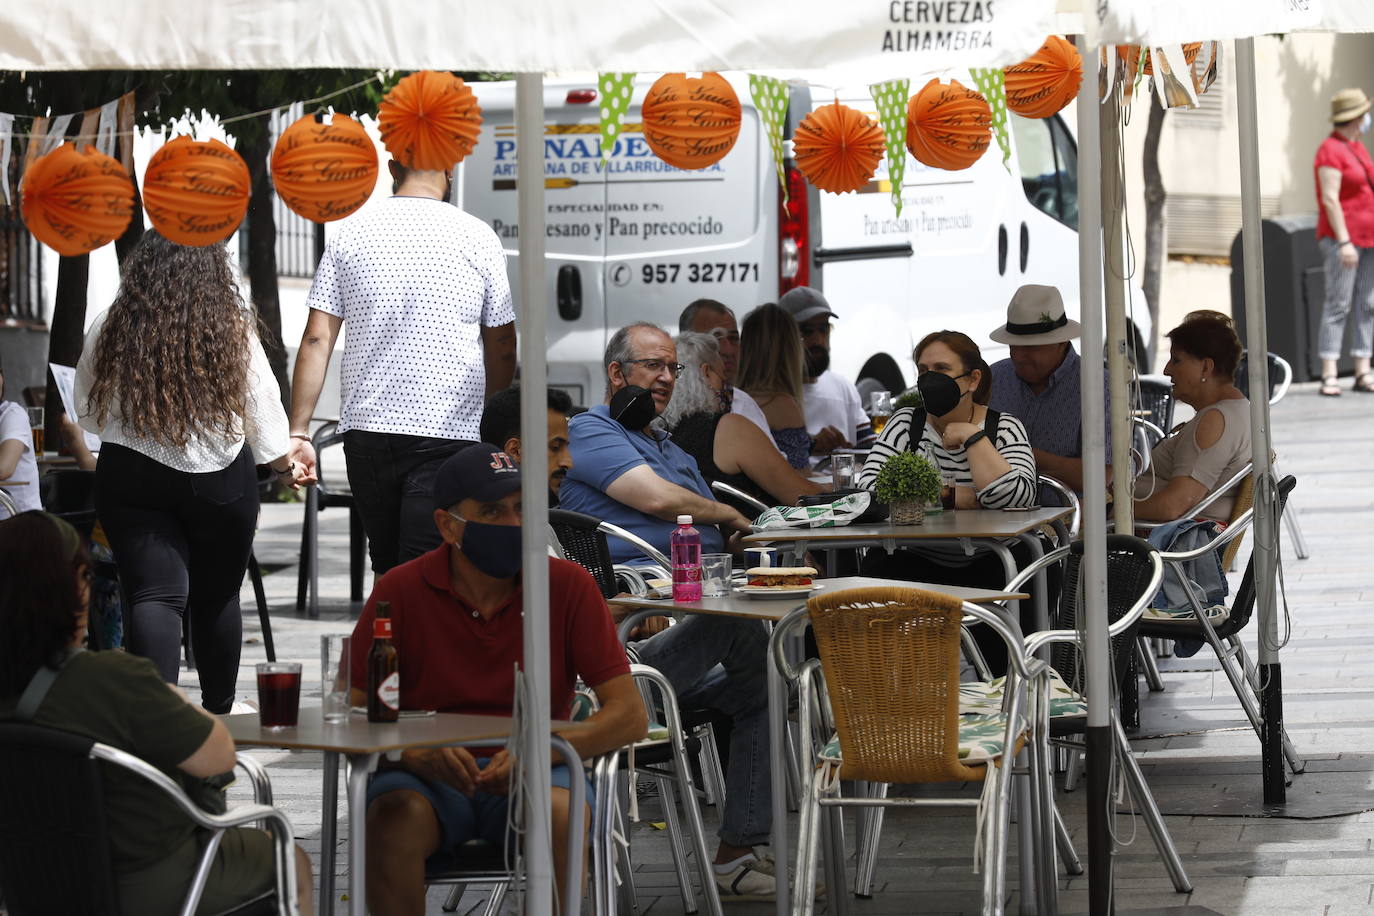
(1015, 488)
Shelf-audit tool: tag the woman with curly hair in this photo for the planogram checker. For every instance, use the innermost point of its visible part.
(174, 380)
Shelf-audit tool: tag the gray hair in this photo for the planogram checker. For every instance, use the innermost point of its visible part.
(619, 350)
(691, 394)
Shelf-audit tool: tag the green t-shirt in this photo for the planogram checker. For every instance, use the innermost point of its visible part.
(120, 700)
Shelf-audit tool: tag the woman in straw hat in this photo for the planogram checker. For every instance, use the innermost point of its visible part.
(1345, 232)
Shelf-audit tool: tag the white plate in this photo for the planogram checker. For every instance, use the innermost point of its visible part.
(757, 592)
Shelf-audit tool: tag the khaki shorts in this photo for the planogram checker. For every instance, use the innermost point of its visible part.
(244, 868)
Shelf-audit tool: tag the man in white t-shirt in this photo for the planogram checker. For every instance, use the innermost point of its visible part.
(707, 316)
(835, 416)
(431, 332)
(17, 461)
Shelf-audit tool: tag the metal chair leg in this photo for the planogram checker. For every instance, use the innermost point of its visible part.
(1146, 657)
(455, 897)
(676, 845)
(308, 523)
(1072, 864)
(496, 900)
(832, 822)
(1073, 770)
(1159, 831)
(869, 832)
(357, 554)
(712, 775)
(260, 594)
(1290, 520)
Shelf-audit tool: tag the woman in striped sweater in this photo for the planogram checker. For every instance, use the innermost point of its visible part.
(991, 464)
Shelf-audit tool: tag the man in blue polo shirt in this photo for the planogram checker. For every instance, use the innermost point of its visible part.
(1039, 384)
(626, 472)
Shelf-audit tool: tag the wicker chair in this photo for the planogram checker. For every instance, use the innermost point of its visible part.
(1157, 396)
(899, 722)
(1220, 627)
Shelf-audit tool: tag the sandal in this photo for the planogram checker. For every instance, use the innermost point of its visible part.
(1364, 383)
(1329, 387)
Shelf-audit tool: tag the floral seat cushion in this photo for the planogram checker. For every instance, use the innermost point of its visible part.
(984, 697)
(1216, 615)
(980, 739)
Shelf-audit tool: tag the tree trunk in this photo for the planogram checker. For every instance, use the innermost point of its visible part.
(262, 251)
(1152, 274)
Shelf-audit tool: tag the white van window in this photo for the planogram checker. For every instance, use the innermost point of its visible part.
(1049, 166)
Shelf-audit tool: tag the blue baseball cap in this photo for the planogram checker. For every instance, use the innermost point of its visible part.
(482, 472)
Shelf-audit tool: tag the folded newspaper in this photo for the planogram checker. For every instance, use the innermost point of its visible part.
(842, 511)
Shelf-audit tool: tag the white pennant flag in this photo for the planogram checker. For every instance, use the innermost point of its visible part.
(105, 132)
(6, 122)
(57, 133)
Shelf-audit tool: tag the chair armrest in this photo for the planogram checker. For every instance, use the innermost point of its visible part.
(632, 577)
(796, 621)
(257, 775)
(8, 504)
(1233, 530)
(725, 489)
(1206, 501)
(1024, 576)
(634, 540)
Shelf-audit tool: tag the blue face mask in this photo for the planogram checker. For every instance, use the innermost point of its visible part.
(494, 549)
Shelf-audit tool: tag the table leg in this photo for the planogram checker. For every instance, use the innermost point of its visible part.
(1008, 567)
(1042, 601)
(329, 832)
(777, 745)
(360, 766)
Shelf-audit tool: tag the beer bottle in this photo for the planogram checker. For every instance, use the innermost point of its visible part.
(383, 676)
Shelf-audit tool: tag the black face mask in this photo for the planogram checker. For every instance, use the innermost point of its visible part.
(633, 407)
(939, 392)
(817, 361)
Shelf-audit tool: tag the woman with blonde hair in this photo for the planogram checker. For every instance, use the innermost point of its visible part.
(771, 361)
(174, 380)
(726, 446)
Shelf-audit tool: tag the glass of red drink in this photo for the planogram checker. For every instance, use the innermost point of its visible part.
(279, 694)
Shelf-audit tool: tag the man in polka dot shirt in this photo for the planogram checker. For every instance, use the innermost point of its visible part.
(422, 287)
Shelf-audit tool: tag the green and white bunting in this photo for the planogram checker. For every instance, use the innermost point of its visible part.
(891, 99)
(616, 90)
(770, 100)
(992, 83)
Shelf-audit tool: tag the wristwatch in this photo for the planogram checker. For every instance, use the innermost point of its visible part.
(981, 434)
(287, 470)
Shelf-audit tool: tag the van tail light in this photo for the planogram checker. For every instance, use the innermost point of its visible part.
(794, 240)
(581, 96)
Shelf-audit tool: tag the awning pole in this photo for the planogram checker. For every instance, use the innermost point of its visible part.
(534, 467)
(1097, 648)
(1266, 529)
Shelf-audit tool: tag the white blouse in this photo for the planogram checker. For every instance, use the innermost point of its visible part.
(264, 426)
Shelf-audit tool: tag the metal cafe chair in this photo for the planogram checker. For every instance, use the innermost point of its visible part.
(319, 497)
(54, 836)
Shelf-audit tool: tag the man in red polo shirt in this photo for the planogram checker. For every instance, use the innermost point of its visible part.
(456, 624)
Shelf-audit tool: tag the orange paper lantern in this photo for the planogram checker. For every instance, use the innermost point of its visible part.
(195, 191)
(838, 148)
(691, 123)
(1045, 82)
(74, 202)
(430, 121)
(324, 171)
(948, 126)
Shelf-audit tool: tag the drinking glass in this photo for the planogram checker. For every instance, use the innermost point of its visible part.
(335, 657)
(947, 490)
(842, 471)
(716, 569)
(36, 427)
(880, 410)
(279, 694)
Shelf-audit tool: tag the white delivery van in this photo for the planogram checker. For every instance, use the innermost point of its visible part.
(637, 240)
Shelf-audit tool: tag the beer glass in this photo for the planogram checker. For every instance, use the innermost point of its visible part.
(880, 410)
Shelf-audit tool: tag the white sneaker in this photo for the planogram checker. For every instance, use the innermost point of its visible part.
(767, 865)
(747, 881)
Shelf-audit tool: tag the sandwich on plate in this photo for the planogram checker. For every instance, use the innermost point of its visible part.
(781, 577)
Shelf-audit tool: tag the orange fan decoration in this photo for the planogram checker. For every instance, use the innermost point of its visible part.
(74, 202)
(838, 148)
(1045, 82)
(691, 123)
(948, 126)
(430, 121)
(1191, 50)
(196, 192)
(324, 171)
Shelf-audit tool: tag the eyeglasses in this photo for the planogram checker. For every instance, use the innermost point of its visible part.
(655, 366)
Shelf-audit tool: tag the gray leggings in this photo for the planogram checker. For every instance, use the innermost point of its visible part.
(1345, 285)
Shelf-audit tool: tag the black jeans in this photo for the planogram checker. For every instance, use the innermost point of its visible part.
(392, 478)
(181, 542)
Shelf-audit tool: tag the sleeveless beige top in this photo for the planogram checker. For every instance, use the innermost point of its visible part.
(1178, 455)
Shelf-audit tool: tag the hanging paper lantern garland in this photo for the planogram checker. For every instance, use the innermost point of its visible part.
(75, 202)
(324, 171)
(196, 192)
(1045, 82)
(948, 126)
(837, 148)
(430, 121)
(891, 98)
(770, 96)
(616, 90)
(691, 122)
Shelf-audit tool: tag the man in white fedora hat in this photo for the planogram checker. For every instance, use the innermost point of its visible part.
(1039, 383)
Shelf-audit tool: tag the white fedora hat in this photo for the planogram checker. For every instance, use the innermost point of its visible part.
(1036, 316)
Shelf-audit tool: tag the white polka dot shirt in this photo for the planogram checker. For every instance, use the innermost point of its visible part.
(414, 280)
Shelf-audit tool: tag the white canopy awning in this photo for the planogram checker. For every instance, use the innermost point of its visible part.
(1160, 22)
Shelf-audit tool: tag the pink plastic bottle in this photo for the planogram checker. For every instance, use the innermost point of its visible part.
(685, 545)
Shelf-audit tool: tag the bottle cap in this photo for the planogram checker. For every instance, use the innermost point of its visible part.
(684, 520)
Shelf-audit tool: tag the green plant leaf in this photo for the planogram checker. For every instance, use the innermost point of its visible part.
(907, 477)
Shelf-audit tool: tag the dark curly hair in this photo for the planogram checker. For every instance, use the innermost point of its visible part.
(172, 358)
(40, 598)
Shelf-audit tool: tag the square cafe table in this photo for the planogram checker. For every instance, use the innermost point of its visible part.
(363, 743)
(770, 611)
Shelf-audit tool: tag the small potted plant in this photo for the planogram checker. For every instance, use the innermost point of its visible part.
(909, 398)
(907, 482)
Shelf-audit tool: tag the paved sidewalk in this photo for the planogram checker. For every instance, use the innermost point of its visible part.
(1203, 759)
